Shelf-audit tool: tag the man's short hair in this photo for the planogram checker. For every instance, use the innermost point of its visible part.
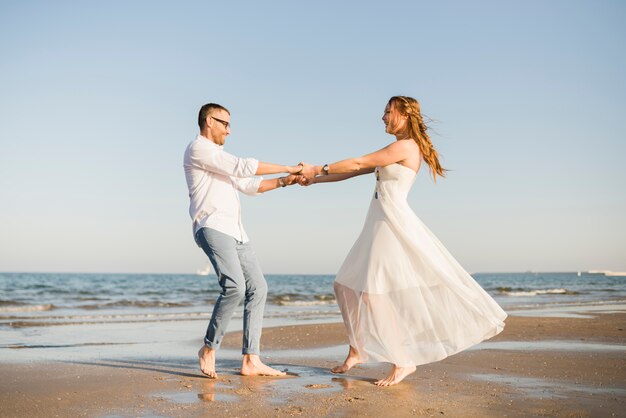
(206, 110)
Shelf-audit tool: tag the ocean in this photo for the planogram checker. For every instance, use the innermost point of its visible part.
(42, 299)
(59, 310)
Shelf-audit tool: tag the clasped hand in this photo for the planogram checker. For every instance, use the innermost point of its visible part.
(303, 174)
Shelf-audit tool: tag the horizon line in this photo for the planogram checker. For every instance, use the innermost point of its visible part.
(590, 271)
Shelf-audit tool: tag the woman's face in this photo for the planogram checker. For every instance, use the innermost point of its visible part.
(395, 122)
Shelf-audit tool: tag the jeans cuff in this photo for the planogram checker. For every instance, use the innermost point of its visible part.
(251, 350)
(211, 345)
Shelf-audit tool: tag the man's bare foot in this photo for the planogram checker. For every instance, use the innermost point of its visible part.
(207, 361)
(351, 361)
(396, 376)
(253, 366)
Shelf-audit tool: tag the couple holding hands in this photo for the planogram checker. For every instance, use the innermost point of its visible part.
(403, 297)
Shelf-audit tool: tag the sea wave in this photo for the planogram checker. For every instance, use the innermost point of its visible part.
(136, 304)
(535, 292)
(305, 302)
(110, 317)
(506, 289)
(25, 321)
(296, 299)
(4, 302)
(586, 304)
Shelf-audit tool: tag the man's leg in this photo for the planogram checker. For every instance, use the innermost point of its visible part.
(254, 305)
(222, 251)
(254, 302)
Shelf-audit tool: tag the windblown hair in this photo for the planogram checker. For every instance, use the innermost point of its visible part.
(206, 110)
(418, 131)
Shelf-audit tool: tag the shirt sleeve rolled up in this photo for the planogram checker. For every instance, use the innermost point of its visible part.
(212, 158)
(249, 186)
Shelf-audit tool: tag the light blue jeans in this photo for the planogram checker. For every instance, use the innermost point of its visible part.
(239, 274)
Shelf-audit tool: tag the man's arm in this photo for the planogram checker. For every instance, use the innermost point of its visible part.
(256, 185)
(269, 168)
(271, 184)
(209, 158)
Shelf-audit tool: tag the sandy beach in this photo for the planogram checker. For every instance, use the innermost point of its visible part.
(538, 366)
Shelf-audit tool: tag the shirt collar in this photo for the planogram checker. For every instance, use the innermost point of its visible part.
(204, 138)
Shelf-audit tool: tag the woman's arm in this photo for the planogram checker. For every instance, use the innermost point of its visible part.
(331, 178)
(392, 153)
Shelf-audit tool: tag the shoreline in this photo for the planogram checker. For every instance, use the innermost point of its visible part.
(538, 366)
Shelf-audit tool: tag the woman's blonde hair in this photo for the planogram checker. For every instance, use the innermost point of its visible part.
(417, 130)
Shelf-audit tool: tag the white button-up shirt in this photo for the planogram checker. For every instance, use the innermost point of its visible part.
(214, 178)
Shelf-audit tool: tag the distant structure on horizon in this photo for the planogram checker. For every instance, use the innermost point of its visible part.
(607, 273)
(204, 271)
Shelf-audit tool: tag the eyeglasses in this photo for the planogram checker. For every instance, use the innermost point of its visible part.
(223, 122)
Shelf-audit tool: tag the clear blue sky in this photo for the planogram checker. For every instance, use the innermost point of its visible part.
(98, 101)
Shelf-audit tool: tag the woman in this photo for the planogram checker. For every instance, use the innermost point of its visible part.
(403, 297)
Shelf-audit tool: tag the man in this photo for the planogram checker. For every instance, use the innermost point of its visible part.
(214, 178)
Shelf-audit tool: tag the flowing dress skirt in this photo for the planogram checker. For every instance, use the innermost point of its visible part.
(403, 297)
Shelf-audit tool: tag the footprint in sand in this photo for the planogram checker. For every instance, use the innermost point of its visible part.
(318, 386)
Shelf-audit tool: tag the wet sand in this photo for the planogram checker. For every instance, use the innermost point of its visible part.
(563, 367)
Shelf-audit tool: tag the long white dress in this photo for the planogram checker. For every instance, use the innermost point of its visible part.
(403, 297)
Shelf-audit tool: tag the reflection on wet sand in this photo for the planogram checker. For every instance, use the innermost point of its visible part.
(211, 392)
(353, 382)
(277, 390)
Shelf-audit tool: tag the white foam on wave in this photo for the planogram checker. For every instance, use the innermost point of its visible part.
(305, 302)
(539, 292)
(27, 308)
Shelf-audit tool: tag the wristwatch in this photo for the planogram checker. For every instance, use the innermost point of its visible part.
(325, 169)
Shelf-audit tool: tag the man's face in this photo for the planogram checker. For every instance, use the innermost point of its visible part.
(219, 125)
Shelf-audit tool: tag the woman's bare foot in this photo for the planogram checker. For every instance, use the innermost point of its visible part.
(207, 361)
(351, 361)
(253, 366)
(396, 376)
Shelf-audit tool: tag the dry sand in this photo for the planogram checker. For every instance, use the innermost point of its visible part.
(563, 367)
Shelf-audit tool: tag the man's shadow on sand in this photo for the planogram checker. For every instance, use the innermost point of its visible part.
(230, 368)
(164, 367)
